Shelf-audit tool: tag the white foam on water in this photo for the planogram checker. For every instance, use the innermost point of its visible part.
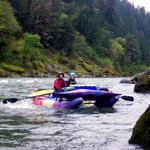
(26, 80)
(23, 104)
(30, 81)
(19, 80)
(5, 81)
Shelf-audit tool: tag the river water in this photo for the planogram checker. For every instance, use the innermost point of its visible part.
(24, 126)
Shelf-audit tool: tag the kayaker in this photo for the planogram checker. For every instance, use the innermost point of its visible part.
(71, 79)
(60, 82)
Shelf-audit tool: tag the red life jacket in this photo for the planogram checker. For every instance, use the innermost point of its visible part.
(59, 83)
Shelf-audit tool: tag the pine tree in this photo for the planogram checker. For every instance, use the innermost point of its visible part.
(9, 27)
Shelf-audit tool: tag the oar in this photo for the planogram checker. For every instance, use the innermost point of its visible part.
(32, 95)
(13, 100)
(127, 98)
(124, 97)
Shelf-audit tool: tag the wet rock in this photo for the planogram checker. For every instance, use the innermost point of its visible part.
(141, 131)
(128, 80)
(133, 80)
(143, 83)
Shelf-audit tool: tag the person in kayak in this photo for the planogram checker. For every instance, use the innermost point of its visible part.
(71, 79)
(60, 82)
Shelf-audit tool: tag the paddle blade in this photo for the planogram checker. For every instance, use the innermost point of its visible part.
(10, 100)
(127, 98)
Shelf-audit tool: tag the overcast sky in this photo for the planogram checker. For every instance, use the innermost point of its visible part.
(145, 3)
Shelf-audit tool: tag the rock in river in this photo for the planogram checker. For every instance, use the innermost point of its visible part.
(128, 80)
(141, 131)
(143, 83)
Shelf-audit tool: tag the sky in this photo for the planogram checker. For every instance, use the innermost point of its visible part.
(142, 3)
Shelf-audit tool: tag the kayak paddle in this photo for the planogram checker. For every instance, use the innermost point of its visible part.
(127, 98)
(32, 95)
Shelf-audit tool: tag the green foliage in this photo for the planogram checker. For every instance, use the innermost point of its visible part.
(80, 47)
(131, 69)
(80, 69)
(63, 16)
(13, 53)
(72, 63)
(32, 47)
(88, 67)
(13, 68)
(39, 66)
(105, 62)
(116, 47)
(8, 22)
(9, 28)
(117, 52)
(101, 42)
(32, 40)
(60, 31)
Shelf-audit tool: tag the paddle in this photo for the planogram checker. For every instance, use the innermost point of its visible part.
(127, 98)
(124, 97)
(32, 95)
(10, 100)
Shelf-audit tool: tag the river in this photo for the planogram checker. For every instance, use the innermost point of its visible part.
(24, 126)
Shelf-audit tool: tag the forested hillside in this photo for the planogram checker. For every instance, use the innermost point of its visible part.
(95, 37)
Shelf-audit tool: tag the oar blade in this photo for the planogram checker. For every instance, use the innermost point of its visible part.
(127, 98)
(35, 94)
(10, 100)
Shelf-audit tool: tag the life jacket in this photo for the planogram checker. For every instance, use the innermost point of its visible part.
(71, 81)
(59, 83)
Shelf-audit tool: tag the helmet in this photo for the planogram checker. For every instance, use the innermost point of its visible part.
(60, 74)
(72, 74)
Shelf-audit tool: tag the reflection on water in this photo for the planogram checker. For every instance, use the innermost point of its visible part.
(24, 126)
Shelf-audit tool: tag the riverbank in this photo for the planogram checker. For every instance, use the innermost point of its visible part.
(50, 70)
(81, 68)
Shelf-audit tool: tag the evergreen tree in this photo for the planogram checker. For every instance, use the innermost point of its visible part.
(9, 28)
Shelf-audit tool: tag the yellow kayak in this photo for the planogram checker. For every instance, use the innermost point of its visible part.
(40, 93)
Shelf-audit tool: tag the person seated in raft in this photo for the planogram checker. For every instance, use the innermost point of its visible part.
(71, 79)
(60, 82)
